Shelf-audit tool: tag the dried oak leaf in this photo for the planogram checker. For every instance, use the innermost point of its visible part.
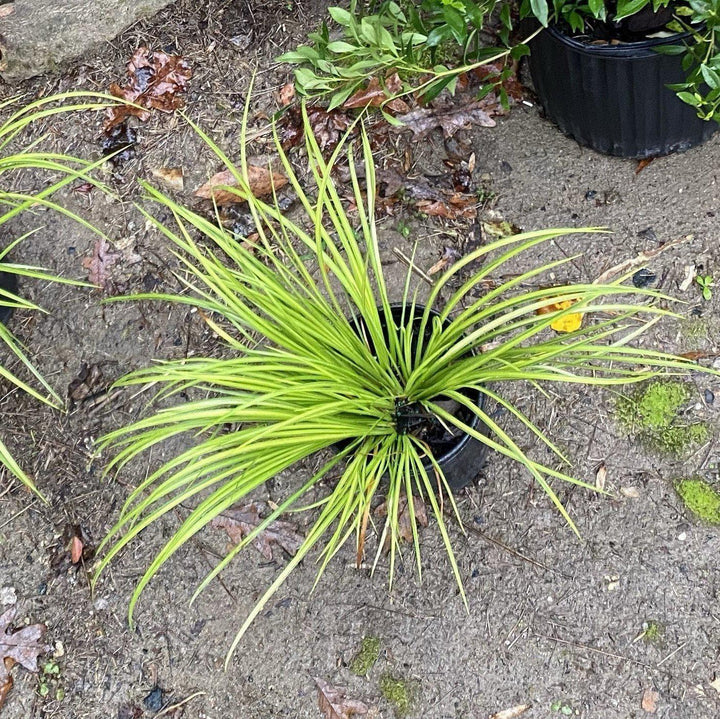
(374, 95)
(327, 126)
(260, 179)
(99, 263)
(154, 81)
(335, 705)
(238, 522)
(450, 118)
(450, 210)
(23, 647)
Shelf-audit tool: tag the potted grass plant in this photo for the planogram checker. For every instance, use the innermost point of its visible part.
(634, 78)
(320, 361)
(16, 160)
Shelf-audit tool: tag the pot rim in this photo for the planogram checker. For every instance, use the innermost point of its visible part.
(628, 50)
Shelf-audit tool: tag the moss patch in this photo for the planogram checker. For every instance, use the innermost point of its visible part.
(366, 657)
(398, 693)
(651, 413)
(700, 498)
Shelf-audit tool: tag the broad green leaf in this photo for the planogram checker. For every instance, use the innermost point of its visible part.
(710, 76)
(341, 16)
(629, 7)
(540, 10)
(340, 46)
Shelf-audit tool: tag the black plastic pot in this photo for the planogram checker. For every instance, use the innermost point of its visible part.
(8, 282)
(461, 458)
(613, 98)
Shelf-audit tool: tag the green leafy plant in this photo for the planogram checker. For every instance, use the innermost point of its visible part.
(318, 364)
(15, 160)
(706, 283)
(435, 39)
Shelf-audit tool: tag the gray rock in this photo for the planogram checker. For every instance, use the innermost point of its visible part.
(40, 35)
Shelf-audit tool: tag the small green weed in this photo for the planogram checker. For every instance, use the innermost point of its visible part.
(398, 693)
(366, 657)
(403, 228)
(706, 284)
(700, 498)
(653, 631)
(651, 413)
(49, 681)
(562, 708)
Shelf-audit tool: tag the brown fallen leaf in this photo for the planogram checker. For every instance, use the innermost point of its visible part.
(170, 176)
(260, 179)
(404, 521)
(450, 255)
(99, 263)
(238, 522)
(375, 95)
(601, 476)
(327, 126)
(23, 647)
(438, 208)
(287, 94)
(76, 549)
(75, 546)
(335, 705)
(87, 382)
(84, 188)
(154, 81)
(492, 72)
(642, 164)
(450, 118)
(512, 712)
(649, 701)
(698, 355)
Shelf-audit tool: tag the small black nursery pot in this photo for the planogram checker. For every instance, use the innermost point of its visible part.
(460, 456)
(614, 98)
(8, 282)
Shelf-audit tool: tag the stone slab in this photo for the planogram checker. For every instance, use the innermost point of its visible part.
(40, 35)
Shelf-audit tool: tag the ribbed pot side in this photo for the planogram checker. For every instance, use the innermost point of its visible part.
(613, 98)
